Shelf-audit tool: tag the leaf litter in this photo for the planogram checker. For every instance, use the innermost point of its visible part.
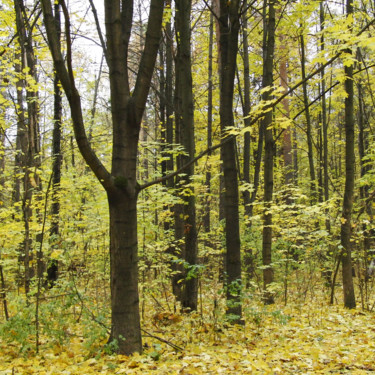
(312, 340)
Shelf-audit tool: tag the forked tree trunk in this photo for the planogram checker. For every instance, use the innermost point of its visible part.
(127, 108)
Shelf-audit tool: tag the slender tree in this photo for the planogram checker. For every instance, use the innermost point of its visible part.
(28, 139)
(246, 107)
(349, 296)
(185, 124)
(52, 269)
(268, 58)
(207, 216)
(229, 24)
(308, 121)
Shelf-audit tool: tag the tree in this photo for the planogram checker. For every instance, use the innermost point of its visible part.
(268, 58)
(347, 278)
(52, 269)
(229, 24)
(185, 125)
(127, 108)
(28, 137)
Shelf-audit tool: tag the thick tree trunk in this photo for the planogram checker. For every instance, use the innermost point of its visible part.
(124, 271)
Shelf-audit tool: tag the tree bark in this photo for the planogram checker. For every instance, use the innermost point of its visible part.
(185, 119)
(349, 296)
(229, 28)
(269, 49)
(52, 269)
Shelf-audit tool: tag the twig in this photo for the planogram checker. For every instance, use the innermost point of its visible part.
(174, 346)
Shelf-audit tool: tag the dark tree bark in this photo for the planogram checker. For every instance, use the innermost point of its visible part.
(229, 24)
(122, 189)
(349, 296)
(268, 59)
(185, 123)
(52, 269)
(168, 163)
(246, 112)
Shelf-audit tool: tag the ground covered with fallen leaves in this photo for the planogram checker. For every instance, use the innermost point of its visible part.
(293, 339)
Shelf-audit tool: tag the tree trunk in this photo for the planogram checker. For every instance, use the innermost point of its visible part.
(229, 29)
(349, 296)
(269, 48)
(125, 327)
(207, 206)
(185, 119)
(308, 123)
(52, 269)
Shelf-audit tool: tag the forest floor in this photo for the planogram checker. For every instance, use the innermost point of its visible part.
(310, 338)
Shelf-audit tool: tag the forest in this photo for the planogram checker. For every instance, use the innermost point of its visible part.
(187, 186)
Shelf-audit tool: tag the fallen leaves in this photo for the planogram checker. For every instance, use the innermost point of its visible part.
(326, 340)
